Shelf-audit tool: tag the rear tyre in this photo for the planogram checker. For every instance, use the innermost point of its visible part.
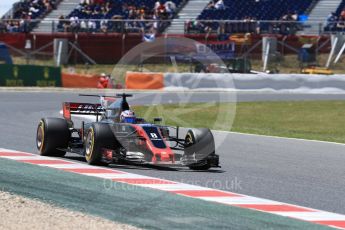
(52, 135)
(199, 142)
(99, 137)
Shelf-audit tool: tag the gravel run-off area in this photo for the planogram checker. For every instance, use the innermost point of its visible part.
(19, 212)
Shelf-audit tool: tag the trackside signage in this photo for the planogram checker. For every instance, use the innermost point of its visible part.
(29, 75)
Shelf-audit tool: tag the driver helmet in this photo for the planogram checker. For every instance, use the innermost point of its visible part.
(128, 116)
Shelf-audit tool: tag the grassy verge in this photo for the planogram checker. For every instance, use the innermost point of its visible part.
(318, 120)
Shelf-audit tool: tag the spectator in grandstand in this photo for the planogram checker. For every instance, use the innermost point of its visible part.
(115, 24)
(170, 8)
(3, 27)
(155, 24)
(341, 23)
(219, 5)
(87, 2)
(13, 26)
(341, 26)
(288, 26)
(50, 4)
(331, 22)
(157, 5)
(92, 26)
(104, 26)
(24, 26)
(74, 23)
(160, 11)
(33, 8)
(335, 23)
(83, 26)
(61, 24)
(210, 5)
(100, 11)
(26, 10)
(287, 17)
(295, 16)
(198, 27)
(342, 14)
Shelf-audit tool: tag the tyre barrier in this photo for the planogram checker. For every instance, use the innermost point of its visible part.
(231, 81)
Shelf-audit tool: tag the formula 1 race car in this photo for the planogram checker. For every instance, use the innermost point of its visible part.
(117, 136)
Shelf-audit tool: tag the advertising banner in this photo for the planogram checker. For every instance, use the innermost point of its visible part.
(29, 75)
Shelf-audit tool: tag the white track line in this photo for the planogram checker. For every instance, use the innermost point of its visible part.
(277, 137)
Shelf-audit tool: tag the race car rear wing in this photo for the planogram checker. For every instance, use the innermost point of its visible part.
(70, 108)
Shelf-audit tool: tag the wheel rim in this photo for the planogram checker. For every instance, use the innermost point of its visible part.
(40, 136)
(189, 139)
(89, 145)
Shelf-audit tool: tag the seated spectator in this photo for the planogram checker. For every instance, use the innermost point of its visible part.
(3, 27)
(104, 26)
(170, 8)
(24, 26)
(294, 16)
(331, 21)
(341, 25)
(342, 14)
(91, 26)
(161, 9)
(219, 5)
(210, 5)
(26, 10)
(83, 26)
(61, 22)
(116, 24)
(74, 23)
(100, 11)
(157, 5)
(13, 26)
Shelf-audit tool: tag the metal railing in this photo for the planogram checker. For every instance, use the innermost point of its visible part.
(159, 26)
(84, 25)
(261, 27)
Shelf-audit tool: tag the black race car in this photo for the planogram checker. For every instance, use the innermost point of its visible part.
(110, 139)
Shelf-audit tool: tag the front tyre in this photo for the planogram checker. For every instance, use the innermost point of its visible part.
(99, 137)
(199, 144)
(52, 135)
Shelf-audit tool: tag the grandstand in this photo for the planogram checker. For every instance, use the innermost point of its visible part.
(176, 16)
(118, 25)
(258, 10)
(336, 20)
(108, 16)
(251, 12)
(25, 13)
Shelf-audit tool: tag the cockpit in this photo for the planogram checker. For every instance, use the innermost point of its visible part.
(115, 109)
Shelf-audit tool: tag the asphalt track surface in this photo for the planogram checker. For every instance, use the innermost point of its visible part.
(134, 205)
(299, 172)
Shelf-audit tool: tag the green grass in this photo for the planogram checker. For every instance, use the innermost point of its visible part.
(317, 120)
(212, 115)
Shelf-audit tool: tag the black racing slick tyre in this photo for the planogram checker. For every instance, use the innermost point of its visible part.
(200, 143)
(52, 135)
(99, 137)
